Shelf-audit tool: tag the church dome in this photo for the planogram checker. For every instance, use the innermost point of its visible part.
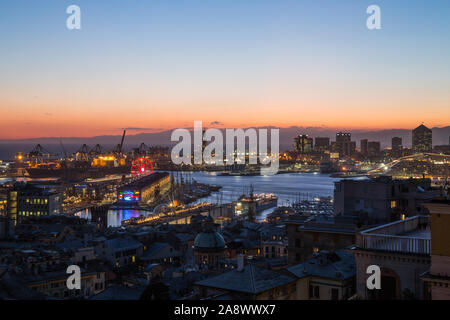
(209, 240)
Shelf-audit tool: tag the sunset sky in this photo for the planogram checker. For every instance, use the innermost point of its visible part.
(152, 65)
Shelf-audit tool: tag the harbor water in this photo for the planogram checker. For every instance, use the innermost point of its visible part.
(288, 187)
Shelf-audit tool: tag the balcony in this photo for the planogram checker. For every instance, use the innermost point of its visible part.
(411, 236)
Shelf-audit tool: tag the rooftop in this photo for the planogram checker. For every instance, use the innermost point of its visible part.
(251, 279)
(145, 181)
(411, 236)
(123, 244)
(337, 265)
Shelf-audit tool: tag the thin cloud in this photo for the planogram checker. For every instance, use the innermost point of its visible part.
(141, 129)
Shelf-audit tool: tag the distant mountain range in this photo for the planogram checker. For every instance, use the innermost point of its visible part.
(440, 137)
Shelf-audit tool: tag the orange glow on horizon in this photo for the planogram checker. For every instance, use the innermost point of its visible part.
(86, 118)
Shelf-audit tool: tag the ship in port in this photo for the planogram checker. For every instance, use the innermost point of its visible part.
(255, 203)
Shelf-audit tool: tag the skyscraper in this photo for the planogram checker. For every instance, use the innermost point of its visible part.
(303, 143)
(374, 148)
(344, 144)
(322, 144)
(396, 143)
(422, 139)
(364, 147)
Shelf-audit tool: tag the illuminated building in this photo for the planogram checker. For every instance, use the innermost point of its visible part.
(144, 189)
(422, 139)
(5, 225)
(303, 144)
(344, 146)
(108, 161)
(26, 200)
(3, 205)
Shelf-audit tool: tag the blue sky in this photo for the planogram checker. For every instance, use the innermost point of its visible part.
(310, 60)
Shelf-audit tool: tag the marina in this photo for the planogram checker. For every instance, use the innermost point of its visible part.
(292, 189)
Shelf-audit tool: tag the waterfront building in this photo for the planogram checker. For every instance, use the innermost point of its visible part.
(144, 189)
(422, 139)
(382, 199)
(322, 144)
(26, 200)
(303, 144)
(344, 146)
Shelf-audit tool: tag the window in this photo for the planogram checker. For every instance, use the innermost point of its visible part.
(334, 294)
(314, 292)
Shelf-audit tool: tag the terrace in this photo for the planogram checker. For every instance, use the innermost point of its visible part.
(411, 236)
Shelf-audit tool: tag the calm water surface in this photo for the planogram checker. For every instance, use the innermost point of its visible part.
(288, 187)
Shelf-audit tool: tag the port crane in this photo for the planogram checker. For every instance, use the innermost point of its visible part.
(39, 155)
(82, 154)
(96, 150)
(118, 149)
(141, 151)
(63, 149)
